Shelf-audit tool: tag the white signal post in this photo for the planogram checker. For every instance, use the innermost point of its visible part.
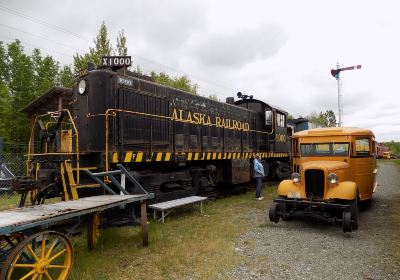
(336, 74)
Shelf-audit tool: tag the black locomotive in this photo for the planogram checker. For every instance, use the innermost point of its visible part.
(175, 143)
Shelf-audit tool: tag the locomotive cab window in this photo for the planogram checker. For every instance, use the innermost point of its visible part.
(268, 117)
(280, 120)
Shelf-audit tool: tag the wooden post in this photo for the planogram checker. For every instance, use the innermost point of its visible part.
(143, 222)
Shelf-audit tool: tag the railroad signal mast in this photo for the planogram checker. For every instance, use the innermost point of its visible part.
(336, 74)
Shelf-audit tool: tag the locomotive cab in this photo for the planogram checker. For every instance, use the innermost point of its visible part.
(274, 138)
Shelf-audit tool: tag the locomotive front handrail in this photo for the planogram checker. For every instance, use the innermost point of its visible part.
(31, 140)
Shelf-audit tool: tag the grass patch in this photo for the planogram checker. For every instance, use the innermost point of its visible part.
(188, 245)
(8, 201)
(396, 161)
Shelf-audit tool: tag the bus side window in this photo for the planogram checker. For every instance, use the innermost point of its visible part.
(363, 146)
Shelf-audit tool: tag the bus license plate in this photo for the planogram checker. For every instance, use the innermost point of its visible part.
(293, 195)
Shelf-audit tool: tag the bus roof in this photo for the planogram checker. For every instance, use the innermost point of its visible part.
(334, 131)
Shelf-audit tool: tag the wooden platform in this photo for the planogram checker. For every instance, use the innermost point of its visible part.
(41, 215)
(167, 206)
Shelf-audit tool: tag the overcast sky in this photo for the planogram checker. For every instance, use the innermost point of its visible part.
(279, 51)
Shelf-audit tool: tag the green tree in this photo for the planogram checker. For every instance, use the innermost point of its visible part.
(66, 77)
(102, 47)
(393, 146)
(330, 118)
(213, 97)
(5, 109)
(24, 77)
(182, 83)
(324, 119)
(21, 88)
(46, 71)
(121, 44)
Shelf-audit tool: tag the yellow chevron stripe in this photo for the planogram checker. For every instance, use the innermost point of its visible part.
(139, 157)
(196, 156)
(219, 155)
(189, 156)
(229, 155)
(128, 157)
(214, 156)
(167, 156)
(233, 155)
(208, 156)
(159, 156)
(225, 154)
(115, 157)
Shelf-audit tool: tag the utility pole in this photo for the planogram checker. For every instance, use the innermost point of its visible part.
(335, 73)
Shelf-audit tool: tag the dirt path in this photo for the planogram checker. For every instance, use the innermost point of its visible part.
(304, 249)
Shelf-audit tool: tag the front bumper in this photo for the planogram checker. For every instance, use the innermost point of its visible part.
(329, 211)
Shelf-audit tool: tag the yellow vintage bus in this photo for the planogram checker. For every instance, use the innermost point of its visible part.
(386, 155)
(333, 170)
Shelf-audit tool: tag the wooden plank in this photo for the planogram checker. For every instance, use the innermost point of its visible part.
(177, 202)
(12, 219)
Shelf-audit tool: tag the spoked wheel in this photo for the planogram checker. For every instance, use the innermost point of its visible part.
(43, 255)
(93, 230)
(273, 212)
(8, 243)
(346, 222)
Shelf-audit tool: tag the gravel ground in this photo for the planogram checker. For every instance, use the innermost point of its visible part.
(310, 249)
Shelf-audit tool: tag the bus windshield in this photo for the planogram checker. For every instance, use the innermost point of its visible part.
(324, 149)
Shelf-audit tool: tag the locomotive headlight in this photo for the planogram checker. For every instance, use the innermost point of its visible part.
(295, 177)
(333, 178)
(82, 86)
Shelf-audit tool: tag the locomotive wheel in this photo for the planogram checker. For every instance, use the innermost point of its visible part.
(93, 230)
(43, 255)
(346, 223)
(273, 212)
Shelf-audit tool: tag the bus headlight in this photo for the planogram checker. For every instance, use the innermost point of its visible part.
(333, 178)
(295, 177)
